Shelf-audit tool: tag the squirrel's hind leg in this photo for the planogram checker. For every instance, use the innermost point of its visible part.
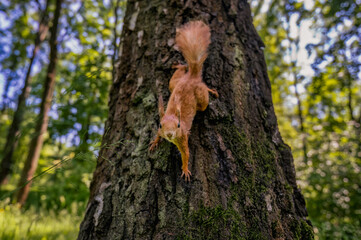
(177, 75)
(202, 96)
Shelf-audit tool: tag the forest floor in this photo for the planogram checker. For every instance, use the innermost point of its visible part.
(55, 206)
(16, 224)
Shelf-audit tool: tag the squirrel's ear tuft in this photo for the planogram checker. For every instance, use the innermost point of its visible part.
(179, 116)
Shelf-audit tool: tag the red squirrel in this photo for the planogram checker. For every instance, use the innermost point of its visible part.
(188, 93)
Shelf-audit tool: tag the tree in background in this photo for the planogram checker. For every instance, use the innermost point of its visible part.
(83, 92)
(14, 130)
(334, 118)
(318, 113)
(15, 38)
(79, 106)
(37, 140)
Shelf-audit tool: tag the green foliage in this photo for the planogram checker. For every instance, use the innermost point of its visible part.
(318, 110)
(58, 198)
(60, 189)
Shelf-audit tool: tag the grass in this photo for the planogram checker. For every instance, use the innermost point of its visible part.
(16, 224)
(56, 203)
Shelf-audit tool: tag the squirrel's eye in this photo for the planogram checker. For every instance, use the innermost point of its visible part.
(178, 125)
(160, 125)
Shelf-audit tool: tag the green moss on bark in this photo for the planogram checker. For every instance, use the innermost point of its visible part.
(306, 230)
(302, 230)
(213, 223)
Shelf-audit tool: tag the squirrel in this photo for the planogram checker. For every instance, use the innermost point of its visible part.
(188, 93)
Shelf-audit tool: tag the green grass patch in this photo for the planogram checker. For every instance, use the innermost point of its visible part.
(16, 223)
(56, 203)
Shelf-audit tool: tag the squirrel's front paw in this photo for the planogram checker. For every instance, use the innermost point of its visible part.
(153, 145)
(187, 175)
(214, 92)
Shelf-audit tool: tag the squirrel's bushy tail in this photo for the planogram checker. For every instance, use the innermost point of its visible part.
(192, 40)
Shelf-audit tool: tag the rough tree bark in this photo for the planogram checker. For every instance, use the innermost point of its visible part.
(14, 130)
(243, 182)
(36, 143)
(115, 35)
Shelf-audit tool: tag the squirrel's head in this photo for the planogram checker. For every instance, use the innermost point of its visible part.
(170, 127)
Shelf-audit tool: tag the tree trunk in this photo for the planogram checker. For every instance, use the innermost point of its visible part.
(300, 115)
(36, 143)
(293, 54)
(115, 40)
(243, 182)
(14, 131)
(9, 79)
(84, 134)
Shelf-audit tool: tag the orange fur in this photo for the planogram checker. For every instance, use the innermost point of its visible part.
(178, 74)
(188, 93)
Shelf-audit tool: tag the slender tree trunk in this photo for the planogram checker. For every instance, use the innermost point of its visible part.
(243, 182)
(349, 95)
(260, 3)
(9, 79)
(300, 117)
(84, 146)
(294, 72)
(42, 122)
(5, 98)
(358, 136)
(356, 121)
(14, 131)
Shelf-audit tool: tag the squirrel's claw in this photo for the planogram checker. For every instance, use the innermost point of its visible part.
(153, 145)
(187, 175)
(214, 92)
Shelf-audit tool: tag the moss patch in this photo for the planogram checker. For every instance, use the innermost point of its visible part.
(302, 230)
(213, 223)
